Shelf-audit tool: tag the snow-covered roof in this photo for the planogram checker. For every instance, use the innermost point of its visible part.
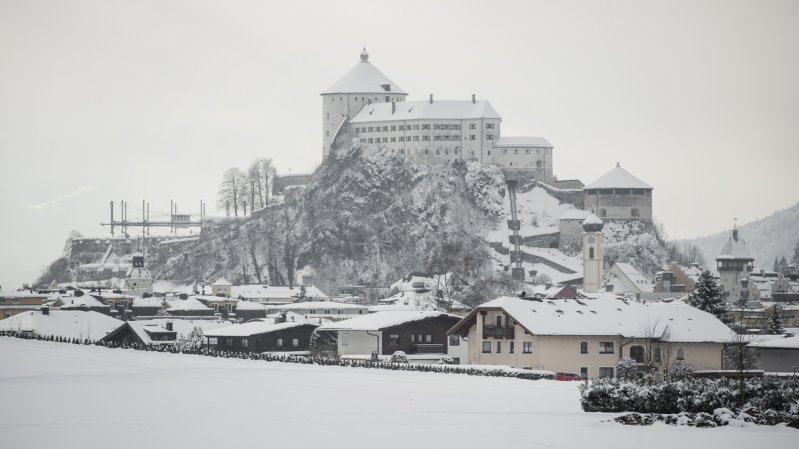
(222, 282)
(592, 219)
(186, 304)
(575, 214)
(778, 343)
(618, 178)
(317, 305)
(522, 141)
(609, 315)
(734, 248)
(634, 276)
(381, 320)
(148, 302)
(364, 78)
(424, 110)
(63, 323)
(270, 293)
(255, 327)
(184, 327)
(249, 305)
(69, 302)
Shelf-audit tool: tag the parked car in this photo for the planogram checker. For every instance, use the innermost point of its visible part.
(567, 376)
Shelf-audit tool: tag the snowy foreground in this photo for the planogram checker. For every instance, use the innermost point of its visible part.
(69, 396)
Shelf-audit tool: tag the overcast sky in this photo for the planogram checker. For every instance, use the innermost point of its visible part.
(107, 100)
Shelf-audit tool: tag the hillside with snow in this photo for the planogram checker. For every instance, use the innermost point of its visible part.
(771, 237)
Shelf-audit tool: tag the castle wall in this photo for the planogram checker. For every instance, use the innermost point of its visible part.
(620, 204)
(338, 107)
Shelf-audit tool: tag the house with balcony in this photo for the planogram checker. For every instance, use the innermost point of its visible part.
(414, 332)
(262, 335)
(589, 335)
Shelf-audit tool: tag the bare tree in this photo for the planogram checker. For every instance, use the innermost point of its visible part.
(260, 175)
(231, 189)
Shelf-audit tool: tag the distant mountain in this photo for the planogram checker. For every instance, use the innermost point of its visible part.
(767, 238)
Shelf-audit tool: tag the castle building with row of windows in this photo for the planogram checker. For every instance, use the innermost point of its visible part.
(367, 106)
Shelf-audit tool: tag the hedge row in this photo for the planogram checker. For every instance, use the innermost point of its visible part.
(326, 361)
(690, 395)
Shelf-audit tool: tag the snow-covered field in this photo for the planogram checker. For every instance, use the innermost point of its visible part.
(67, 396)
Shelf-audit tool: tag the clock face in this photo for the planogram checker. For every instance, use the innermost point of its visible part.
(591, 239)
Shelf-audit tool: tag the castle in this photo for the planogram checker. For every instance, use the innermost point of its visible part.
(366, 105)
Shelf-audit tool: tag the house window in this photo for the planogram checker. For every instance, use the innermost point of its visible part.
(583, 347)
(393, 340)
(454, 340)
(605, 347)
(527, 347)
(428, 338)
(634, 212)
(345, 339)
(419, 338)
(413, 338)
(584, 372)
(213, 341)
(279, 342)
(489, 137)
(499, 347)
(680, 353)
(228, 342)
(393, 127)
(487, 347)
(472, 126)
(637, 353)
(603, 213)
(402, 128)
(360, 312)
(295, 342)
(312, 311)
(339, 311)
(512, 347)
(605, 371)
(327, 311)
(244, 342)
(385, 129)
(489, 126)
(499, 320)
(656, 355)
(591, 252)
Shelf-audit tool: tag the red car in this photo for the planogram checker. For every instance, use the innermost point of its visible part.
(567, 376)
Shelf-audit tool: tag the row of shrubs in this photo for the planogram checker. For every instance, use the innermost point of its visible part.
(691, 395)
(289, 358)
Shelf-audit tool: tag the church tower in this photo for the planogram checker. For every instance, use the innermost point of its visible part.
(734, 264)
(592, 253)
(362, 85)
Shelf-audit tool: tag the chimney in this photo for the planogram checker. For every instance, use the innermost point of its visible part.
(431, 98)
(474, 100)
(169, 326)
(393, 107)
(45, 310)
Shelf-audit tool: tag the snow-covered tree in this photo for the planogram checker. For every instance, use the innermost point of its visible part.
(711, 297)
(774, 323)
(192, 341)
(234, 183)
(680, 371)
(626, 368)
(399, 357)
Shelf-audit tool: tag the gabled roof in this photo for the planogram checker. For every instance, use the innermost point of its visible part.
(382, 320)
(618, 178)
(364, 78)
(63, 323)
(734, 248)
(778, 343)
(222, 282)
(318, 305)
(424, 110)
(254, 328)
(271, 293)
(186, 304)
(522, 141)
(608, 315)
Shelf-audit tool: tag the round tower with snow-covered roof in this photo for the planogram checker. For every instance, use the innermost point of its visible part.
(137, 277)
(618, 195)
(363, 84)
(592, 253)
(734, 264)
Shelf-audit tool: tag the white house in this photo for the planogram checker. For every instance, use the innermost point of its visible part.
(589, 336)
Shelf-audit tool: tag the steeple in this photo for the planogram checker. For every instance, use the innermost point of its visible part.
(364, 55)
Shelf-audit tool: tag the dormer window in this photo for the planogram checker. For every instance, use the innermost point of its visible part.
(386, 87)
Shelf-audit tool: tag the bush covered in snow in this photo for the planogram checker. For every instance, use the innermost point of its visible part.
(719, 417)
(626, 368)
(399, 357)
(680, 371)
(691, 395)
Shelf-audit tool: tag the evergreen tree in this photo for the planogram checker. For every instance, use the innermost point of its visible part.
(774, 324)
(776, 265)
(711, 297)
(783, 265)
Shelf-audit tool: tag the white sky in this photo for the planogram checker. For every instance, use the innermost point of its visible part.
(103, 100)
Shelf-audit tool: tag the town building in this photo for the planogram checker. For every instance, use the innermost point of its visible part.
(13, 303)
(328, 310)
(778, 355)
(262, 336)
(618, 195)
(626, 280)
(413, 332)
(138, 278)
(221, 287)
(593, 258)
(590, 335)
(73, 324)
(735, 264)
(367, 106)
